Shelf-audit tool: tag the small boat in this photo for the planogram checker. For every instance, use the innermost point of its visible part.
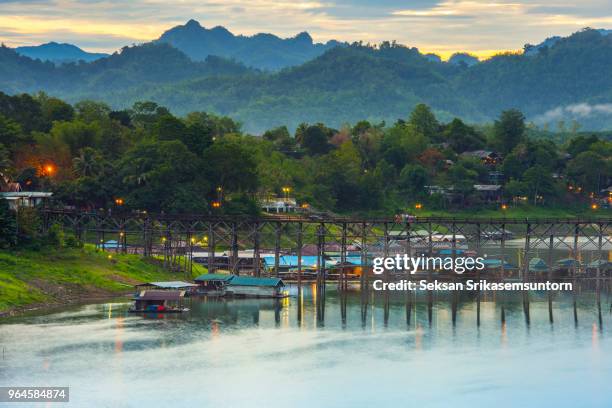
(159, 301)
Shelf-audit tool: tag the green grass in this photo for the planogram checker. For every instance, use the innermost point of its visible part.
(57, 275)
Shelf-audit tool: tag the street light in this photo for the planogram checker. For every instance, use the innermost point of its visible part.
(49, 169)
(286, 190)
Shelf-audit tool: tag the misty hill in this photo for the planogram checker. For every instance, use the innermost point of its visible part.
(129, 68)
(566, 81)
(263, 51)
(58, 53)
(530, 49)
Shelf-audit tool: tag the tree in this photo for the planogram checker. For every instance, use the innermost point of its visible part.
(162, 176)
(509, 130)
(230, 165)
(54, 109)
(413, 179)
(515, 188)
(402, 144)
(88, 163)
(90, 111)
(280, 137)
(462, 179)
(424, 121)
(5, 163)
(169, 127)
(8, 226)
(581, 144)
(76, 134)
(462, 137)
(10, 131)
(539, 183)
(589, 170)
(145, 114)
(315, 140)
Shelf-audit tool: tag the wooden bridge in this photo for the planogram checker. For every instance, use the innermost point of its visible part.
(179, 239)
(172, 235)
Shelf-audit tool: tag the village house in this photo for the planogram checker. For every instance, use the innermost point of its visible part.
(487, 157)
(491, 193)
(19, 199)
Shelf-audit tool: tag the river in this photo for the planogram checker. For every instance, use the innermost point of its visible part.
(244, 353)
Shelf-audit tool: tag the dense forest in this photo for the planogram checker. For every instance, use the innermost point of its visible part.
(146, 158)
(567, 84)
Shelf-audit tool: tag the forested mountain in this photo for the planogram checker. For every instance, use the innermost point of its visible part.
(131, 68)
(569, 80)
(263, 51)
(58, 53)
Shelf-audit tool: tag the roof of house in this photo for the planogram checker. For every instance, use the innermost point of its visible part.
(251, 281)
(169, 284)
(479, 153)
(568, 262)
(487, 187)
(160, 295)
(537, 264)
(26, 194)
(289, 260)
(207, 277)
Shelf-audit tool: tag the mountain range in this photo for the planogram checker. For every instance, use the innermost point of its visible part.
(58, 53)
(263, 51)
(565, 79)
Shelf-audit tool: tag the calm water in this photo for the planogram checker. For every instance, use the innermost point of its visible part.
(244, 353)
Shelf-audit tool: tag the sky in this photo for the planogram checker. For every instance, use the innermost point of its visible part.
(480, 27)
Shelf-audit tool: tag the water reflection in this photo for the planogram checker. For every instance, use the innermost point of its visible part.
(334, 349)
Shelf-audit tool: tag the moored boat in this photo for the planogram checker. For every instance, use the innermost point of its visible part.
(159, 301)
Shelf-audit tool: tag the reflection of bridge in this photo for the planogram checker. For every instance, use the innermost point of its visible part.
(171, 236)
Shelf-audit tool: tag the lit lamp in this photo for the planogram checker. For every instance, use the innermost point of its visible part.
(418, 206)
(504, 207)
(49, 169)
(216, 204)
(119, 201)
(594, 206)
(286, 190)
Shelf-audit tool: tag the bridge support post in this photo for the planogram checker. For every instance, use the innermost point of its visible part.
(211, 247)
(277, 244)
(525, 269)
(550, 275)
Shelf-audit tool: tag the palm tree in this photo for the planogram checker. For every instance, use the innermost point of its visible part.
(88, 163)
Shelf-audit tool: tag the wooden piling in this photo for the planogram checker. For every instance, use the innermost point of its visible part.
(256, 243)
(550, 275)
(299, 257)
(211, 248)
(277, 244)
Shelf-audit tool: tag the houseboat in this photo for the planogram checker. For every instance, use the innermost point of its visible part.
(188, 288)
(256, 287)
(213, 284)
(159, 301)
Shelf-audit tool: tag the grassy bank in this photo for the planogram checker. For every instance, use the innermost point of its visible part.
(30, 278)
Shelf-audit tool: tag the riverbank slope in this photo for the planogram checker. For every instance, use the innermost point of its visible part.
(31, 279)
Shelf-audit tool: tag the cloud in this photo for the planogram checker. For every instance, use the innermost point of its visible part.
(575, 111)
